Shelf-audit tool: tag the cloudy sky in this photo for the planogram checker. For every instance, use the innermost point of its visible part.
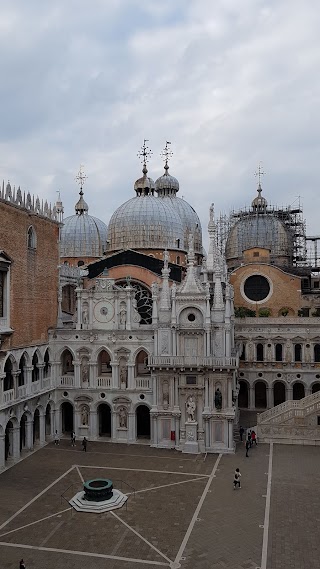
(229, 83)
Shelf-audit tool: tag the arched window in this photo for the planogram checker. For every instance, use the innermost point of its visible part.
(104, 366)
(141, 363)
(317, 352)
(8, 380)
(243, 353)
(35, 369)
(22, 368)
(143, 300)
(46, 369)
(259, 352)
(297, 352)
(279, 352)
(298, 391)
(178, 260)
(31, 238)
(67, 363)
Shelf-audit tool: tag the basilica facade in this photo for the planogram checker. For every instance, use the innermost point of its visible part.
(133, 333)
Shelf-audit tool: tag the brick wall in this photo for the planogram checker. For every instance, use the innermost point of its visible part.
(34, 275)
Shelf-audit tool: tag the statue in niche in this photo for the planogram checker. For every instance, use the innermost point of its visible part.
(84, 371)
(191, 408)
(123, 313)
(123, 374)
(85, 314)
(123, 418)
(84, 415)
(218, 399)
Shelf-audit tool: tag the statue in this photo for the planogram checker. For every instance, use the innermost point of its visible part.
(123, 418)
(123, 313)
(85, 371)
(191, 408)
(135, 316)
(123, 374)
(85, 314)
(84, 415)
(218, 399)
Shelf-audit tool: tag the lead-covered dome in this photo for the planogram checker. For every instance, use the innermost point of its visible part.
(83, 235)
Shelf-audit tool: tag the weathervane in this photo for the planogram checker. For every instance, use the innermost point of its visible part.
(166, 154)
(81, 178)
(144, 154)
(259, 173)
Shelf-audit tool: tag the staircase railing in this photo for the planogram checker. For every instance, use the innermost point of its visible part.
(288, 409)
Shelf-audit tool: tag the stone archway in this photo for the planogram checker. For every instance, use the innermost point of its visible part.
(36, 426)
(104, 420)
(298, 391)
(315, 388)
(48, 420)
(279, 393)
(67, 417)
(243, 397)
(143, 422)
(260, 395)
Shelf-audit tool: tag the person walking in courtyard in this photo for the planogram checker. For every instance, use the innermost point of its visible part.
(56, 439)
(241, 431)
(236, 480)
(22, 565)
(249, 438)
(247, 446)
(254, 438)
(84, 444)
(73, 439)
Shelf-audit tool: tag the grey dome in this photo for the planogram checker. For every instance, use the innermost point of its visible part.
(83, 235)
(145, 222)
(166, 184)
(190, 223)
(259, 230)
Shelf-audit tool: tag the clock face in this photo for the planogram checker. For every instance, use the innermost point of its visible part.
(103, 311)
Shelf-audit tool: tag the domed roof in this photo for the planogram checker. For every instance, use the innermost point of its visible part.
(145, 222)
(259, 203)
(166, 184)
(263, 230)
(83, 235)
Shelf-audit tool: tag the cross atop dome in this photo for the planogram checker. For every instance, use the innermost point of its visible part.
(81, 206)
(166, 154)
(258, 174)
(144, 155)
(81, 178)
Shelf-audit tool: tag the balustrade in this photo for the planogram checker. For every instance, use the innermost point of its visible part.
(143, 383)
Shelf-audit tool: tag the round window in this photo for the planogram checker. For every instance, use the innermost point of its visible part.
(102, 395)
(191, 317)
(256, 287)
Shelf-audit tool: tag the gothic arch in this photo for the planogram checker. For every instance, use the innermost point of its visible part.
(141, 358)
(97, 352)
(13, 361)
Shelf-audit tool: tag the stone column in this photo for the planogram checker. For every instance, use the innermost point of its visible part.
(269, 397)
(78, 323)
(115, 375)
(229, 403)
(113, 425)
(176, 391)
(2, 451)
(42, 428)
(77, 370)
(154, 390)
(131, 380)
(29, 434)
(131, 427)
(207, 433)
(206, 393)
(94, 428)
(90, 308)
(40, 368)
(307, 391)
(177, 429)
(93, 374)
(16, 443)
(289, 393)
(174, 342)
(155, 430)
(230, 434)
(52, 422)
(15, 375)
(251, 397)
(28, 371)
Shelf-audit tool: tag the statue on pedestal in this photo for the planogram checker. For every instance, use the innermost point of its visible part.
(191, 408)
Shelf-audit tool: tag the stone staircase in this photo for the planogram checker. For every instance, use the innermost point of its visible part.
(292, 422)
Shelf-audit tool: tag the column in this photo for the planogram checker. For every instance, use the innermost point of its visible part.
(90, 309)
(131, 427)
(15, 375)
(29, 433)
(289, 393)
(77, 379)
(42, 428)
(206, 393)
(174, 342)
(78, 323)
(115, 375)
(207, 433)
(16, 443)
(307, 391)
(52, 422)
(154, 390)
(230, 434)
(94, 430)
(113, 425)
(2, 451)
(177, 429)
(229, 392)
(93, 374)
(155, 430)
(131, 382)
(269, 397)
(176, 391)
(207, 343)
(251, 398)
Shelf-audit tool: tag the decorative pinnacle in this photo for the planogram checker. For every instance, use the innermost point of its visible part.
(259, 173)
(144, 155)
(81, 178)
(166, 154)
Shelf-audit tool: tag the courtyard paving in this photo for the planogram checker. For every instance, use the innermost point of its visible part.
(182, 510)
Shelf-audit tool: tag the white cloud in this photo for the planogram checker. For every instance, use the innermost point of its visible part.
(229, 83)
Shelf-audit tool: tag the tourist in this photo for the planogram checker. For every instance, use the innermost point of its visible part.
(73, 439)
(56, 439)
(254, 437)
(22, 564)
(249, 438)
(236, 480)
(84, 444)
(241, 433)
(247, 446)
